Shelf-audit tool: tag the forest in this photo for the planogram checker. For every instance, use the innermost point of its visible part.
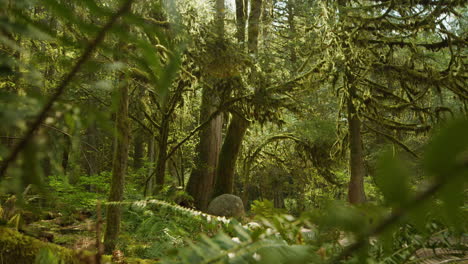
(233, 131)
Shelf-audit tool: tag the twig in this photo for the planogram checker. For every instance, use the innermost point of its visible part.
(61, 87)
(390, 220)
(394, 140)
(70, 136)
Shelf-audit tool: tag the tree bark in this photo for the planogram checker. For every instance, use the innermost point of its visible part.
(254, 25)
(162, 154)
(90, 157)
(119, 168)
(292, 32)
(356, 193)
(240, 21)
(228, 156)
(138, 150)
(202, 178)
(220, 14)
(66, 153)
(150, 179)
(201, 182)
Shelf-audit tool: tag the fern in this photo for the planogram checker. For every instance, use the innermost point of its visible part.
(247, 247)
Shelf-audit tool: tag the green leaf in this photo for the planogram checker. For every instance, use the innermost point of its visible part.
(453, 197)
(446, 160)
(66, 13)
(287, 254)
(167, 76)
(344, 217)
(46, 256)
(392, 179)
(448, 150)
(95, 9)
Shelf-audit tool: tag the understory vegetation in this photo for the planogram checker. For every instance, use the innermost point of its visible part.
(336, 131)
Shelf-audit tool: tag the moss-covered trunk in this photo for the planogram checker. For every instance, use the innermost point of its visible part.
(240, 20)
(151, 157)
(119, 169)
(138, 149)
(162, 154)
(202, 178)
(254, 25)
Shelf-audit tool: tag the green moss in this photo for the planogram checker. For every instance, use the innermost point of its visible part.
(18, 248)
(21, 249)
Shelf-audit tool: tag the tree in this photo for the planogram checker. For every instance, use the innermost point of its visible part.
(119, 168)
(229, 154)
(254, 25)
(381, 50)
(202, 178)
(224, 178)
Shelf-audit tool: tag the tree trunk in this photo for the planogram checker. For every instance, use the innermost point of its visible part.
(254, 25)
(292, 32)
(150, 179)
(182, 168)
(74, 171)
(162, 154)
(201, 182)
(138, 150)
(66, 153)
(228, 156)
(119, 168)
(91, 158)
(356, 192)
(240, 21)
(202, 178)
(220, 14)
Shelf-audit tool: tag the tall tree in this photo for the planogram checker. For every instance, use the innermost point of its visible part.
(119, 168)
(224, 180)
(202, 178)
(241, 20)
(229, 155)
(356, 193)
(386, 59)
(254, 25)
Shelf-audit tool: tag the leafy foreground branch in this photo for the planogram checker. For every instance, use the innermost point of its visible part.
(62, 86)
(388, 222)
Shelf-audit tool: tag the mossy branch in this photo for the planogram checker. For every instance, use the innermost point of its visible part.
(393, 139)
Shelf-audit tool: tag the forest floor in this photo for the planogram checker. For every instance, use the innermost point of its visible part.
(77, 236)
(78, 232)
